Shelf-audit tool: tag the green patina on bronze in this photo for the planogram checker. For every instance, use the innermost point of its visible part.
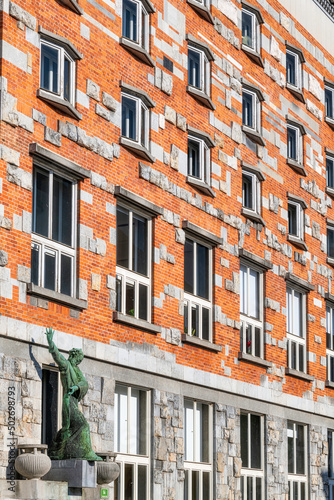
(73, 439)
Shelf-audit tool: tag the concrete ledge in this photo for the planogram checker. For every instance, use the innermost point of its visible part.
(329, 121)
(202, 10)
(330, 191)
(255, 56)
(135, 322)
(188, 339)
(136, 148)
(135, 199)
(329, 297)
(295, 280)
(202, 186)
(138, 93)
(297, 242)
(73, 5)
(298, 374)
(329, 384)
(253, 135)
(243, 356)
(201, 96)
(43, 153)
(250, 214)
(64, 106)
(297, 93)
(137, 51)
(298, 167)
(254, 259)
(60, 40)
(330, 261)
(65, 300)
(201, 233)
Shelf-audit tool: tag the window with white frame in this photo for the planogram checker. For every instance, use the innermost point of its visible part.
(250, 30)
(295, 220)
(329, 101)
(251, 311)
(296, 329)
(198, 69)
(251, 191)
(198, 450)
(293, 69)
(135, 23)
(53, 245)
(330, 342)
(135, 120)
(57, 75)
(331, 464)
(294, 144)
(330, 241)
(132, 443)
(198, 159)
(251, 443)
(133, 263)
(330, 171)
(197, 290)
(297, 461)
(251, 110)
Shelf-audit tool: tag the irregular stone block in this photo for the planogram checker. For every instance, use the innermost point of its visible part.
(174, 157)
(52, 136)
(9, 155)
(316, 230)
(19, 177)
(274, 49)
(314, 87)
(68, 130)
(39, 117)
(22, 15)
(83, 293)
(170, 115)
(236, 132)
(93, 90)
(314, 109)
(5, 223)
(96, 282)
(166, 83)
(9, 112)
(103, 112)
(109, 102)
(23, 274)
(181, 122)
(3, 258)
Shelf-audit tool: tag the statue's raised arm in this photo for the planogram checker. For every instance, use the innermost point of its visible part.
(59, 358)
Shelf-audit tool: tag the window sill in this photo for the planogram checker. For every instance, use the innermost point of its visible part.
(188, 339)
(329, 121)
(329, 384)
(65, 300)
(253, 135)
(135, 322)
(330, 191)
(298, 167)
(202, 10)
(137, 51)
(243, 356)
(59, 103)
(298, 374)
(201, 96)
(297, 242)
(201, 186)
(136, 148)
(255, 56)
(330, 261)
(296, 92)
(253, 216)
(73, 5)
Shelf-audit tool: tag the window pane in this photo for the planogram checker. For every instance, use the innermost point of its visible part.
(49, 405)
(41, 203)
(117, 492)
(292, 219)
(194, 68)
(330, 453)
(293, 355)
(204, 431)
(249, 339)
(195, 485)
(49, 68)
(329, 102)
(255, 441)
(194, 159)
(254, 294)
(128, 481)
(67, 79)
(300, 450)
(290, 449)
(144, 29)
(289, 310)
(244, 439)
(330, 172)
(205, 323)
(66, 275)
(292, 143)
(206, 486)
(247, 109)
(118, 294)
(130, 19)
(258, 488)
(250, 488)
(143, 134)
(189, 430)
(195, 320)
(143, 423)
(291, 63)
(50, 271)
(186, 317)
(122, 250)
(202, 271)
(35, 264)
(134, 421)
(186, 483)
(143, 301)
(247, 192)
(243, 289)
(139, 252)
(297, 313)
(121, 419)
(247, 29)
(130, 299)
(142, 482)
(330, 243)
(189, 266)
(62, 210)
(301, 358)
(258, 341)
(129, 115)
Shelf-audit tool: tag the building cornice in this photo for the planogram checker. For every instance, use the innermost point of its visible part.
(327, 6)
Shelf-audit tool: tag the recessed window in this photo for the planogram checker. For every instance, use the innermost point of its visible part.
(133, 261)
(197, 290)
(251, 443)
(198, 450)
(329, 101)
(250, 30)
(330, 172)
(57, 71)
(295, 220)
(295, 144)
(250, 109)
(135, 120)
(53, 247)
(251, 191)
(330, 342)
(330, 242)
(132, 442)
(293, 69)
(297, 461)
(296, 312)
(198, 70)
(330, 437)
(251, 311)
(198, 159)
(51, 404)
(135, 23)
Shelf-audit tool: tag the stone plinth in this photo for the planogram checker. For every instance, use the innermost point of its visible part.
(95, 493)
(33, 489)
(77, 473)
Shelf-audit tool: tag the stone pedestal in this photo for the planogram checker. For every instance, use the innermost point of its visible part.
(77, 473)
(33, 489)
(95, 493)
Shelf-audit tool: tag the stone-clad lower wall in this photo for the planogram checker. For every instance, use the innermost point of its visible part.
(21, 366)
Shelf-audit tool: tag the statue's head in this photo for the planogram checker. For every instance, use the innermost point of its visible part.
(76, 356)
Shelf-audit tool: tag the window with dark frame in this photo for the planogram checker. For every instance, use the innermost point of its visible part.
(297, 461)
(251, 443)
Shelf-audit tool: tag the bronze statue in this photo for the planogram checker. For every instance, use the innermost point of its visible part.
(73, 439)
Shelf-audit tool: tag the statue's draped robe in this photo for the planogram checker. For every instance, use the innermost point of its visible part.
(73, 439)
